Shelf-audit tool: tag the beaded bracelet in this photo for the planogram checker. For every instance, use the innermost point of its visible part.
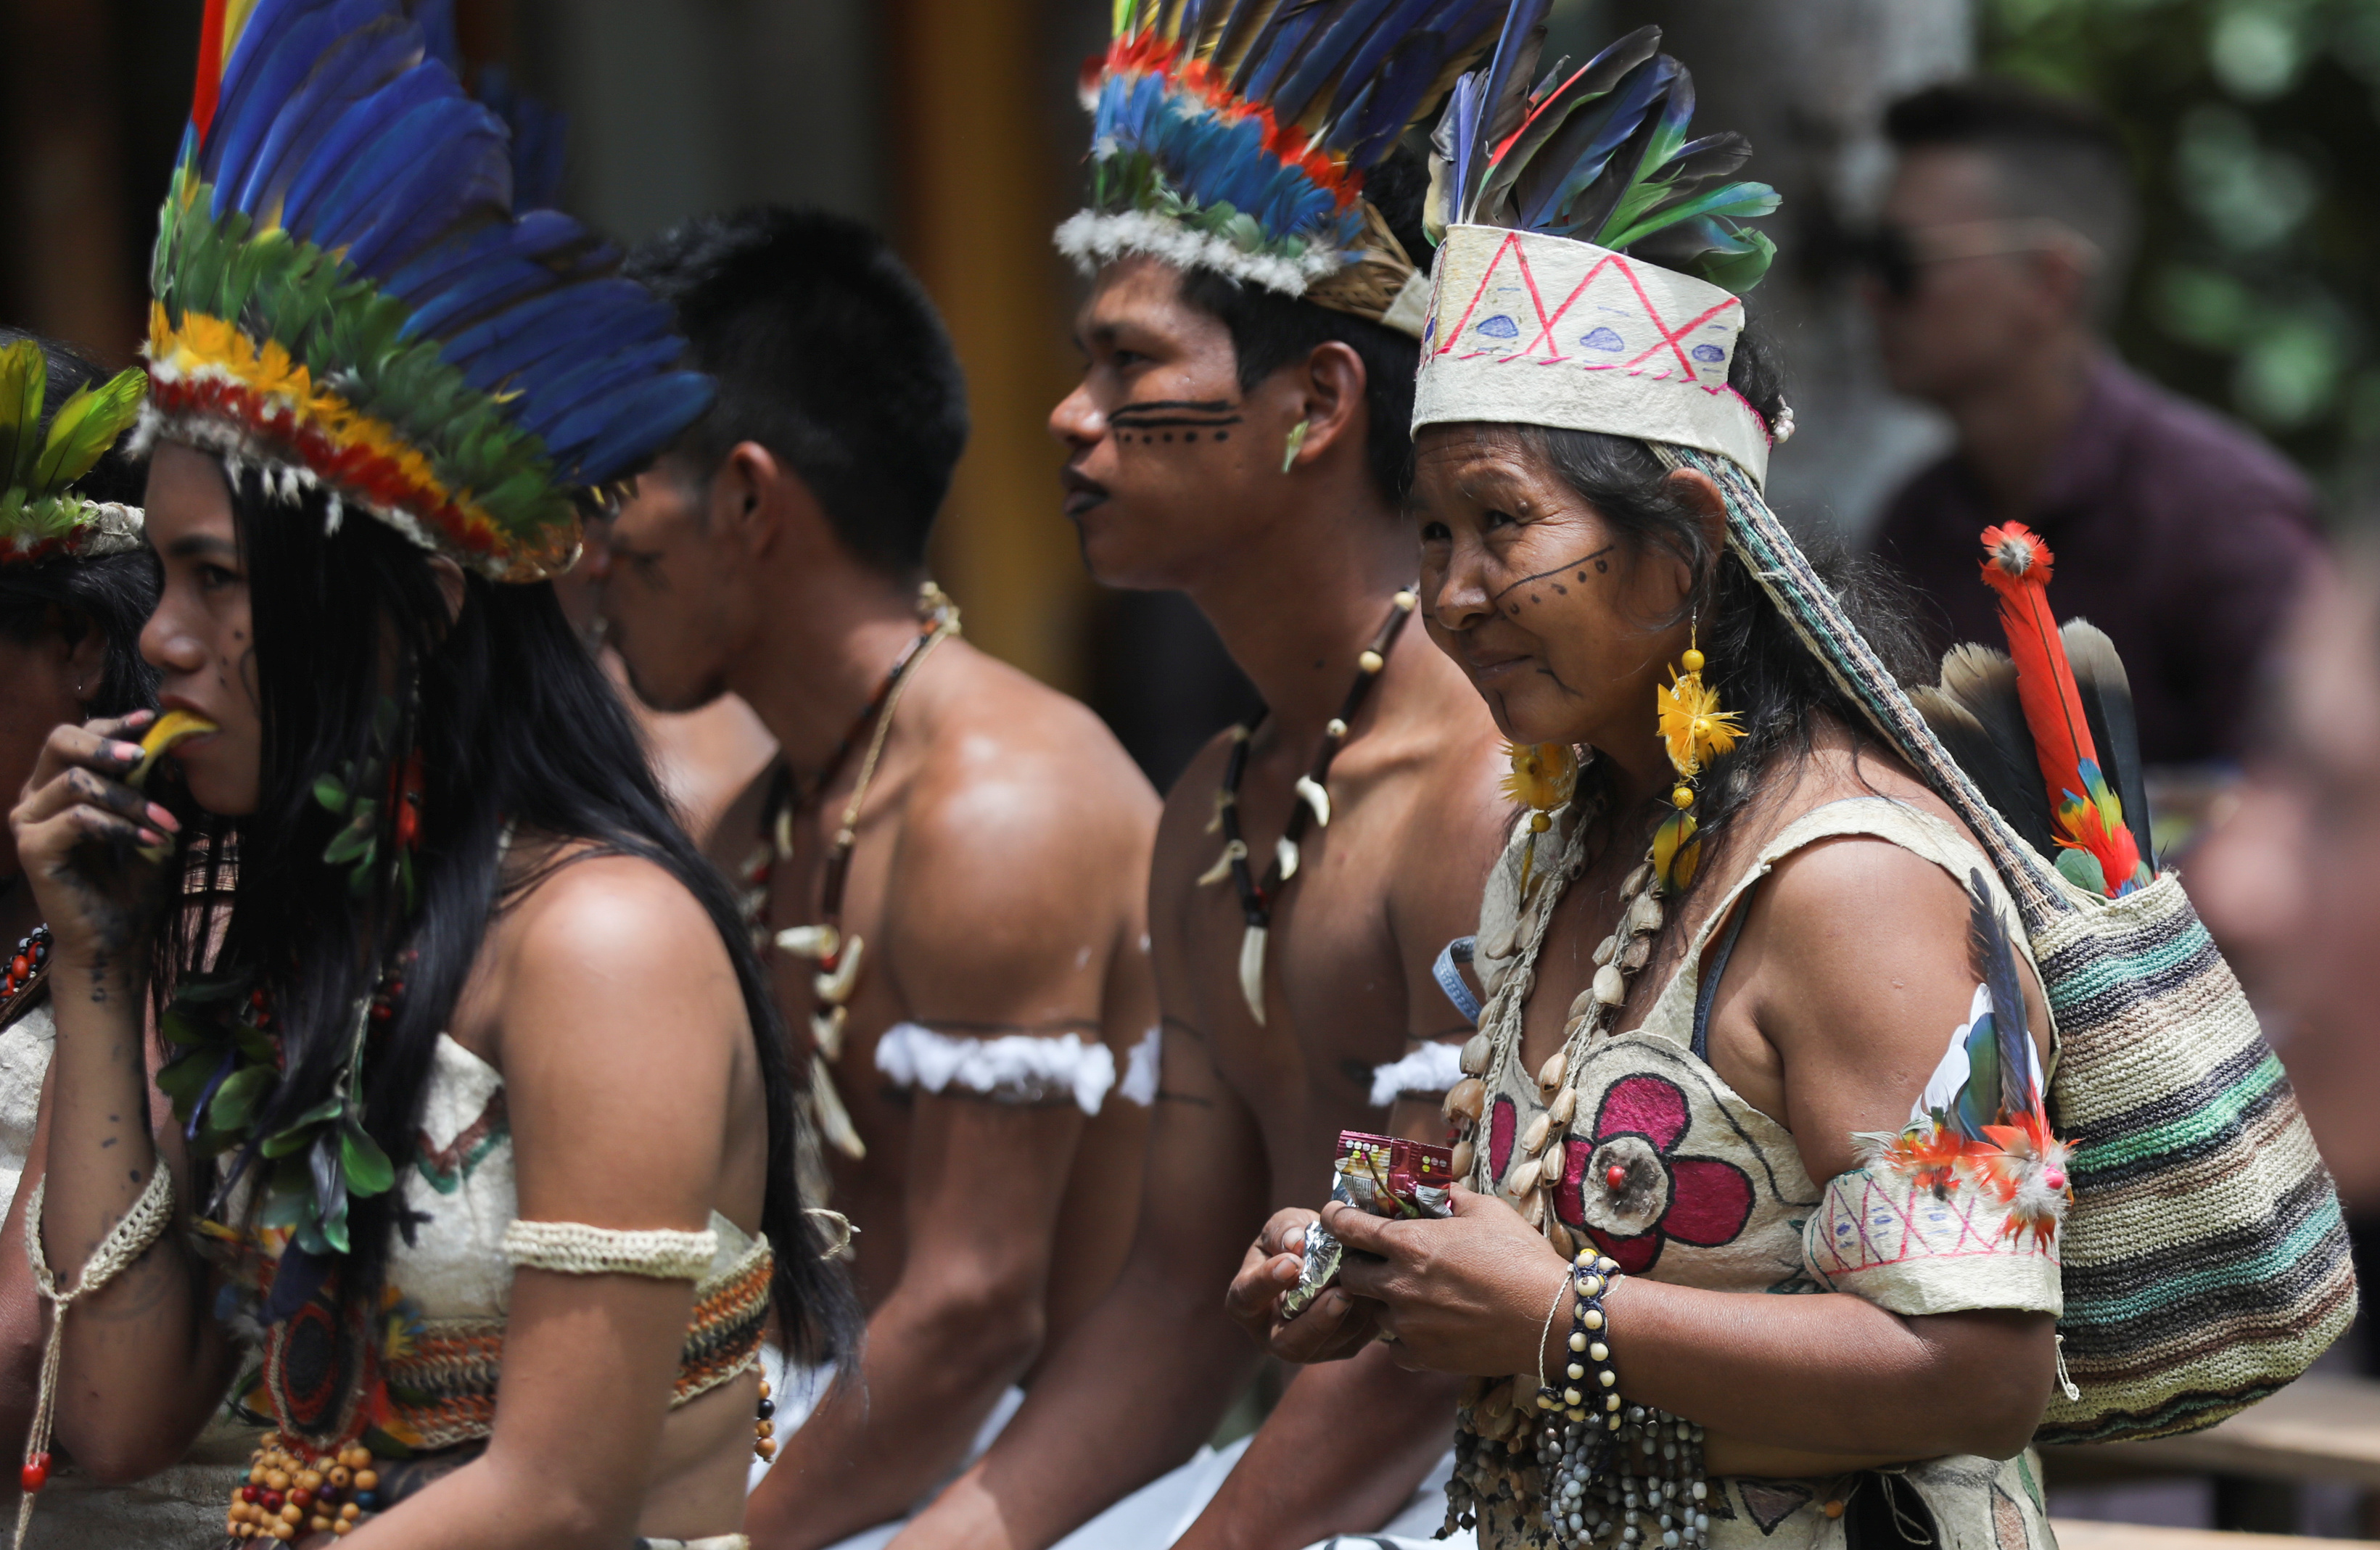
(1590, 1353)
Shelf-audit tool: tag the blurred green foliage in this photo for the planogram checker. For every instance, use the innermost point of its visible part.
(2255, 128)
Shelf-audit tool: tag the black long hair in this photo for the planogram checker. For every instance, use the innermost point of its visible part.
(67, 597)
(1765, 674)
(514, 724)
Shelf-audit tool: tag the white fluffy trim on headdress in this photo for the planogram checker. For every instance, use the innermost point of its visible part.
(1091, 238)
(1526, 329)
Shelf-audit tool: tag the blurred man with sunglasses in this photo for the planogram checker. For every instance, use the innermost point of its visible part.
(2005, 242)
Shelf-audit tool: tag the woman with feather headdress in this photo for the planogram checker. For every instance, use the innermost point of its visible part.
(1720, 974)
(483, 1133)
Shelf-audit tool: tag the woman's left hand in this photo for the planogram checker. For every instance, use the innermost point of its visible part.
(1466, 1294)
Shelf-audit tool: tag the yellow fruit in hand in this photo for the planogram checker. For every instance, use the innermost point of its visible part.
(174, 727)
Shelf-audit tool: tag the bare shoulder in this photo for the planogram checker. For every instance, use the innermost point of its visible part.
(599, 935)
(1024, 806)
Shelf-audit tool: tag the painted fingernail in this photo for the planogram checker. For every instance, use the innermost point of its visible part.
(125, 753)
(164, 819)
(150, 837)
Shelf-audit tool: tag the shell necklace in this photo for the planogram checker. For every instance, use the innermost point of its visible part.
(1256, 899)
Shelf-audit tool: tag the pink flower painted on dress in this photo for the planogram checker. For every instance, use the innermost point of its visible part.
(1627, 1191)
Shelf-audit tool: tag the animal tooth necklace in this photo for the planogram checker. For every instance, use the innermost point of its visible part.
(1313, 809)
(837, 957)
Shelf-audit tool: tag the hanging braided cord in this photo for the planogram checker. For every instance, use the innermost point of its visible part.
(125, 1242)
(1783, 572)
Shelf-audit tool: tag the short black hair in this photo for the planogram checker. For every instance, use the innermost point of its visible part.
(2058, 158)
(828, 352)
(1271, 331)
(113, 594)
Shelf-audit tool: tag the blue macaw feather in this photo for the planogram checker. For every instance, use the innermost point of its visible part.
(544, 235)
(367, 117)
(1398, 30)
(567, 391)
(1302, 86)
(1593, 83)
(626, 428)
(361, 62)
(538, 133)
(1277, 47)
(267, 25)
(1517, 39)
(1591, 146)
(475, 168)
(455, 132)
(570, 322)
(242, 120)
(485, 287)
(436, 19)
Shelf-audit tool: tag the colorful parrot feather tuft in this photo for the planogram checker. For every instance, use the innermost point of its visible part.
(2098, 851)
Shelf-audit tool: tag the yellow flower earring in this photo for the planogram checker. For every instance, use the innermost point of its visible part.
(1544, 776)
(1695, 730)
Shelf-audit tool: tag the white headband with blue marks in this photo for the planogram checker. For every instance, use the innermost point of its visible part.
(1526, 329)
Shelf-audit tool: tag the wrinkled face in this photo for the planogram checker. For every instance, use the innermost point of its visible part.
(199, 638)
(1563, 627)
(1962, 318)
(1168, 462)
(668, 589)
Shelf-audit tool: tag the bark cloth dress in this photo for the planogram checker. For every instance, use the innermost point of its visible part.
(431, 1385)
(1717, 1197)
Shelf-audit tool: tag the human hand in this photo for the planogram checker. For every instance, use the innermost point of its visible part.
(81, 832)
(1332, 1327)
(1466, 1293)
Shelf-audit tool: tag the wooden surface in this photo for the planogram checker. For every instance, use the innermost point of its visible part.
(2073, 1534)
(2320, 1427)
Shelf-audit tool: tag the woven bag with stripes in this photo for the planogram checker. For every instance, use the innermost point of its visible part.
(2205, 1261)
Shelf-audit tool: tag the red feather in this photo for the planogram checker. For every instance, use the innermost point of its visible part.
(211, 67)
(2016, 565)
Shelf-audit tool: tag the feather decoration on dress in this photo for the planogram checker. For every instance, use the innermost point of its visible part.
(1983, 1118)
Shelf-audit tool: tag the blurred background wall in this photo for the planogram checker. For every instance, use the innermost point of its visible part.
(951, 124)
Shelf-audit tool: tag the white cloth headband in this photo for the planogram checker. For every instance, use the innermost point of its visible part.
(1526, 329)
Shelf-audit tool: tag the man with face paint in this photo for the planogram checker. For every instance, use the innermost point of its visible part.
(1239, 435)
(948, 859)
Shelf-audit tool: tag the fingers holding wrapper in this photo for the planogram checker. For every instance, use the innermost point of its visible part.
(1382, 1176)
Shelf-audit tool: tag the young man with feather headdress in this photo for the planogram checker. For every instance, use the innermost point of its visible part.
(1240, 434)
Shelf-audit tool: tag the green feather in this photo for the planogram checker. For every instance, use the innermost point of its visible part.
(86, 426)
(24, 378)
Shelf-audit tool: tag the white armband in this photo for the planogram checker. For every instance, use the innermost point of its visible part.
(1143, 1068)
(1014, 1068)
(1428, 1067)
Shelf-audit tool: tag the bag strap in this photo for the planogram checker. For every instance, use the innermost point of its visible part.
(1706, 989)
(1810, 607)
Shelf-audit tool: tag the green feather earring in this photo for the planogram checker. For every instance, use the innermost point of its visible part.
(1296, 444)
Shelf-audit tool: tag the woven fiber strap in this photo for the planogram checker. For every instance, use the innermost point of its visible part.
(577, 1248)
(125, 1242)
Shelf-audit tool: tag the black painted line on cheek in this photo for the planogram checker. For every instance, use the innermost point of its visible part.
(1595, 559)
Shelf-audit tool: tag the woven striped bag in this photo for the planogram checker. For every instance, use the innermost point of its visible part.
(2205, 1260)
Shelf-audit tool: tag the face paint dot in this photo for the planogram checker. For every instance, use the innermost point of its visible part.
(1602, 566)
(1222, 435)
(1582, 576)
(1189, 435)
(1559, 590)
(1535, 598)
(1169, 435)
(1514, 609)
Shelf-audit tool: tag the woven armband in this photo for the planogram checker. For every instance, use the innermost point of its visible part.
(577, 1248)
(1914, 1245)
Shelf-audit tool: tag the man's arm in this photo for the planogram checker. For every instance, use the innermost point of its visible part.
(1349, 1442)
(1149, 1374)
(1010, 898)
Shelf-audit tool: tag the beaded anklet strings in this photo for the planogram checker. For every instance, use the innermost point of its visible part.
(1313, 809)
(838, 959)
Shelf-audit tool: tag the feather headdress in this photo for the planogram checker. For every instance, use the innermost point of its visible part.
(343, 289)
(1582, 229)
(42, 518)
(1234, 135)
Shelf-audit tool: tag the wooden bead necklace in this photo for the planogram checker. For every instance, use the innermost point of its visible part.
(824, 942)
(1313, 809)
(28, 970)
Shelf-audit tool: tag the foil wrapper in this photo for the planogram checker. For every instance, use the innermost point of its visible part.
(1385, 1176)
